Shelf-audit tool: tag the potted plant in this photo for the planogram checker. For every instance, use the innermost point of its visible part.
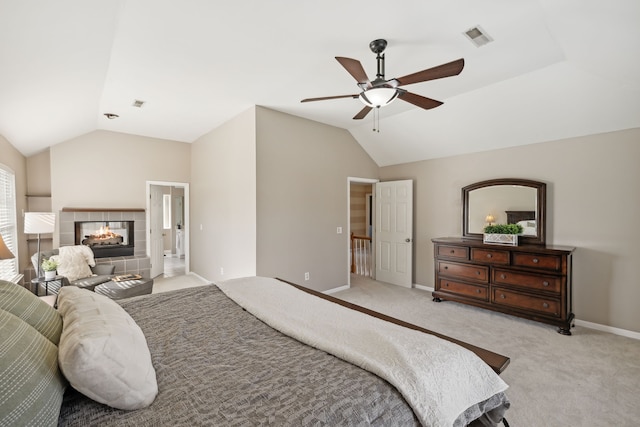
(502, 234)
(49, 266)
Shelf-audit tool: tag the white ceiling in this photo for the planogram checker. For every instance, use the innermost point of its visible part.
(556, 69)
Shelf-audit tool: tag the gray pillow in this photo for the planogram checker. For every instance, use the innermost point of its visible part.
(31, 383)
(20, 302)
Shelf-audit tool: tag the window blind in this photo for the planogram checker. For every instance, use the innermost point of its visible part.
(8, 227)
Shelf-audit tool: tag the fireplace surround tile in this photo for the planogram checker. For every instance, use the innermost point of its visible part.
(139, 263)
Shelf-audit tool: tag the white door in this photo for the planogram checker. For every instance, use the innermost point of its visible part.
(394, 232)
(156, 231)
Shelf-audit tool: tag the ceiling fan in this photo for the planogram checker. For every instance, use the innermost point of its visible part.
(381, 92)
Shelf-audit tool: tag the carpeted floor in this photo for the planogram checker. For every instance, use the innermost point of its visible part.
(164, 284)
(591, 378)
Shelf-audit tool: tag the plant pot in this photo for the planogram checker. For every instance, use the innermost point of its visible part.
(500, 239)
(50, 275)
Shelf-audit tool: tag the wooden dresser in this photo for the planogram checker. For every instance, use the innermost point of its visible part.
(530, 281)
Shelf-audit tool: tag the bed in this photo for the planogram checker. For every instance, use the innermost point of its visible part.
(216, 363)
(527, 219)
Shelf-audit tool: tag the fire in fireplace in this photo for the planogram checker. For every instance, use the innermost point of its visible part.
(106, 238)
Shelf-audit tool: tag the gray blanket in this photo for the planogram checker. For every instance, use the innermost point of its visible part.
(218, 365)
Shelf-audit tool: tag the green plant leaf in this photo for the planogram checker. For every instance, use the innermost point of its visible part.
(503, 229)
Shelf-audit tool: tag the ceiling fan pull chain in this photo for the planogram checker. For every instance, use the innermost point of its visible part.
(374, 119)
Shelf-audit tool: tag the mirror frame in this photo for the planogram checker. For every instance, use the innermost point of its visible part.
(541, 207)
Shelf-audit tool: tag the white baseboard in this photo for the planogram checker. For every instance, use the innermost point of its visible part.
(610, 329)
(583, 323)
(338, 289)
(191, 273)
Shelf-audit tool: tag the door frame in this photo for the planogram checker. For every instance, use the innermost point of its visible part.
(186, 228)
(371, 181)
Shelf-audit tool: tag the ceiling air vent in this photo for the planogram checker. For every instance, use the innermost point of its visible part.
(137, 103)
(478, 36)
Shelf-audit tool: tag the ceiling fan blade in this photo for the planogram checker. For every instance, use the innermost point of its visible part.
(329, 97)
(419, 100)
(354, 67)
(445, 70)
(362, 113)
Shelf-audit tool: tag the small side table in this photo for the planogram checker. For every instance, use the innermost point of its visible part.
(41, 280)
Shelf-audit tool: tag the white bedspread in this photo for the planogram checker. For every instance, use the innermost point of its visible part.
(437, 378)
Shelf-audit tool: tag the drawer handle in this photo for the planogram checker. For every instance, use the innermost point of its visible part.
(503, 276)
(503, 296)
(446, 267)
(478, 272)
(545, 305)
(545, 283)
(489, 255)
(478, 291)
(446, 284)
(535, 260)
(453, 251)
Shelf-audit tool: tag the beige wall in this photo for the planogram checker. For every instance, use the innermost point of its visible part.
(12, 158)
(104, 169)
(302, 190)
(223, 200)
(593, 204)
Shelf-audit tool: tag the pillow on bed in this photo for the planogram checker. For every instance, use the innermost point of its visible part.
(21, 303)
(103, 352)
(31, 385)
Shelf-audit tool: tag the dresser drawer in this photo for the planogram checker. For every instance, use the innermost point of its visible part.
(532, 281)
(543, 262)
(490, 255)
(457, 252)
(478, 273)
(472, 291)
(504, 297)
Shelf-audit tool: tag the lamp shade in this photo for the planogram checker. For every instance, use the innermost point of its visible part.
(378, 96)
(39, 222)
(489, 218)
(5, 253)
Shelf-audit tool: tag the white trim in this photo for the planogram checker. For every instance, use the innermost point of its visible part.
(583, 323)
(351, 179)
(610, 329)
(338, 289)
(191, 273)
(186, 227)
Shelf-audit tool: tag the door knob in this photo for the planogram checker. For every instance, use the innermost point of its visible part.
(407, 240)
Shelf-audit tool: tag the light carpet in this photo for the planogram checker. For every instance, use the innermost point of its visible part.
(165, 284)
(591, 378)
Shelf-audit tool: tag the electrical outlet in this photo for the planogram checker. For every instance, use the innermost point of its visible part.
(339, 230)
(306, 276)
(221, 271)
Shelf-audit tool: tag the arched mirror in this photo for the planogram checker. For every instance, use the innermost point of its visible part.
(505, 201)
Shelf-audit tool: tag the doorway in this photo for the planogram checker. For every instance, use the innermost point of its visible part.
(168, 228)
(360, 214)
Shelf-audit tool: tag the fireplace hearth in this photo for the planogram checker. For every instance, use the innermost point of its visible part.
(106, 238)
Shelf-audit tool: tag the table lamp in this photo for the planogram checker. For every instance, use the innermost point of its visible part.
(5, 253)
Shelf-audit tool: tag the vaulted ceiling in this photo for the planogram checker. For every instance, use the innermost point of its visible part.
(555, 69)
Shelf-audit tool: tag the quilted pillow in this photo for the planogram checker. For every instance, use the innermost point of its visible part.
(72, 265)
(103, 352)
(31, 385)
(21, 303)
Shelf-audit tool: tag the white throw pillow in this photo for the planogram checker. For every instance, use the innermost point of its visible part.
(72, 265)
(103, 352)
(84, 250)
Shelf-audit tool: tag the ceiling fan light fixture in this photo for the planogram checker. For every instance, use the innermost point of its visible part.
(378, 96)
